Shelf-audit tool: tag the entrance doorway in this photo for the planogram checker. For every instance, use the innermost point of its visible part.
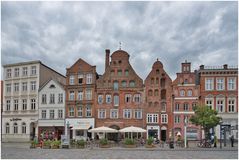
(114, 136)
(32, 130)
(153, 133)
(163, 135)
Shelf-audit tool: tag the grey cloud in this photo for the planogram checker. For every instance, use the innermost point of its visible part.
(59, 33)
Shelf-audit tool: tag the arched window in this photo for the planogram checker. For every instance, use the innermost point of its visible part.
(162, 82)
(123, 84)
(156, 92)
(116, 85)
(189, 92)
(163, 107)
(182, 92)
(132, 84)
(152, 80)
(157, 81)
(7, 128)
(150, 92)
(15, 128)
(24, 128)
(163, 94)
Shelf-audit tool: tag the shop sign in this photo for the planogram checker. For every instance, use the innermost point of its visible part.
(15, 119)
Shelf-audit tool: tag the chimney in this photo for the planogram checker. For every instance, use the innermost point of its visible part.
(202, 67)
(225, 66)
(107, 58)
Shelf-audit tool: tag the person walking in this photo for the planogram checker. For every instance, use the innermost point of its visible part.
(215, 141)
(232, 140)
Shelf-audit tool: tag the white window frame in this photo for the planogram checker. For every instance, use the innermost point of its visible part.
(152, 118)
(209, 84)
(43, 114)
(24, 128)
(16, 104)
(71, 95)
(114, 113)
(8, 105)
(52, 114)
(177, 119)
(231, 83)
(33, 85)
(100, 99)
(177, 106)
(89, 77)
(116, 100)
(16, 72)
(182, 93)
(218, 107)
(33, 104)
(80, 111)
(189, 92)
(138, 114)
(52, 98)
(72, 80)
(220, 83)
(80, 95)
(60, 114)
(108, 99)
(164, 118)
(211, 104)
(71, 111)
(8, 88)
(24, 86)
(127, 113)
(16, 87)
(231, 105)
(127, 97)
(88, 111)
(24, 104)
(24, 71)
(88, 94)
(60, 98)
(33, 70)
(9, 73)
(101, 113)
(137, 98)
(7, 126)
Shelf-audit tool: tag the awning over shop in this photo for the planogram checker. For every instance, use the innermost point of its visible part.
(81, 127)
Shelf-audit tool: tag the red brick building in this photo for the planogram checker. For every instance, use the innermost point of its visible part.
(219, 90)
(158, 113)
(119, 93)
(80, 95)
(186, 95)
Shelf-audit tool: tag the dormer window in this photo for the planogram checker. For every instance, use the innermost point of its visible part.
(52, 86)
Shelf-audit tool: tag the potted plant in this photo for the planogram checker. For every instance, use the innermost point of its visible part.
(80, 143)
(33, 144)
(55, 144)
(149, 143)
(72, 143)
(104, 143)
(129, 143)
(46, 144)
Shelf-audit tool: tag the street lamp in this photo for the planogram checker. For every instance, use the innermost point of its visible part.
(185, 132)
(220, 122)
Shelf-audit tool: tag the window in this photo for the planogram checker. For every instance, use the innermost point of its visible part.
(231, 105)
(15, 128)
(9, 73)
(33, 85)
(88, 94)
(126, 72)
(88, 111)
(163, 94)
(33, 70)
(156, 92)
(157, 71)
(80, 132)
(138, 114)
(157, 81)
(80, 95)
(209, 84)
(80, 111)
(71, 112)
(185, 119)
(43, 114)
(7, 128)
(123, 84)
(60, 114)
(52, 114)
(24, 86)
(116, 85)
(185, 106)
(127, 113)
(190, 92)
(220, 106)
(72, 95)
(80, 78)
(127, 98)
(43, 98)
(8, 104)
(15, 104)
(8, 88)
(119, 72)
(24, 128)
(60, 98)
(182, 93)
(24, 71)
(220, 83)
(152, 118)
(102, 113)
(100, 99)
(137, 98)
(89, 79)
(132, 84)
(231, 83)
(164, 118)
(16, 73)
(164, 106)
(177, 106)
(114, 113)
(209, 103)
(152, 80)
(176, 119)
(108, 98)
(33, 104)
(16, 87)
(52, 98)
(116, 100)
(150, 92)
(24, 104)
(72, 80)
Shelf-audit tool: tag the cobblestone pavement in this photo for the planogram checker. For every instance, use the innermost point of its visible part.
(22, 151)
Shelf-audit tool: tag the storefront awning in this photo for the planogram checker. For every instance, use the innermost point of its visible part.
(81, 127)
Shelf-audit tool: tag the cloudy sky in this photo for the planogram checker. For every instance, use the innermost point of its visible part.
(58, 33)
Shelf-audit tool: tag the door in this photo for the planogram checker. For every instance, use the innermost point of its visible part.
(163, 135)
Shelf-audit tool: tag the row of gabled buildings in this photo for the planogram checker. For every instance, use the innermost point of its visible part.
(40, 102)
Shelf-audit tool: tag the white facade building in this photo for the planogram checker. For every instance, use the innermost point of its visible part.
(51, 110)
(20, 99)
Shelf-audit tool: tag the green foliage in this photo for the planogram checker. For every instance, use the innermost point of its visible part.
(56, 143)
(129, 141)
(150, 140)
(104, 141)
(47, 143)
(81, 142)
(205, 117)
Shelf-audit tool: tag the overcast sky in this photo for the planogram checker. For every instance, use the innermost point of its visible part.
(59, 33)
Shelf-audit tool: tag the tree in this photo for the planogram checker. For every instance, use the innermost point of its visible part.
(205, 117)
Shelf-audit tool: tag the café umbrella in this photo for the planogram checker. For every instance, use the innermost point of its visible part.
(103, 129)
(132, 129)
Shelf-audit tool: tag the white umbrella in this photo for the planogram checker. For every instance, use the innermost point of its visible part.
(133, 129)
(103, 129)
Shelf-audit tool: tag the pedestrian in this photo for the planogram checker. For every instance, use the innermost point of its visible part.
(232, 140)
(212, 139)
(215, 141)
